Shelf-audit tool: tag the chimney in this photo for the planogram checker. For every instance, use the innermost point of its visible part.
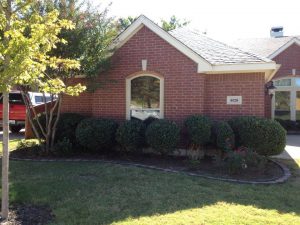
(276, 32)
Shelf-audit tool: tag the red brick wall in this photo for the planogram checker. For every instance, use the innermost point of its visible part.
(186, 92)
(249, 86)
(289, 59)
(80, 104)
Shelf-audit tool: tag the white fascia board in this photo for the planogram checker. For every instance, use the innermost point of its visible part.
(284, 47)
(203, 65)
(234, 68)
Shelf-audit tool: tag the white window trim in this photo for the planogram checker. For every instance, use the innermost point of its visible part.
(161, 93)
(293, 96)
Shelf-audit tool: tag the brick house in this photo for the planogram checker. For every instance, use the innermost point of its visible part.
(285, 51)
(175, 74)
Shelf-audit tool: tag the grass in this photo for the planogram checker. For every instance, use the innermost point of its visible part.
(97, 193)
(12, 145)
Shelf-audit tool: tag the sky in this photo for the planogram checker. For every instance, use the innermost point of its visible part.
(222, 19)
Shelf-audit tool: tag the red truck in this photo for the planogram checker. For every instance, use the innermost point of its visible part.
(17, 111)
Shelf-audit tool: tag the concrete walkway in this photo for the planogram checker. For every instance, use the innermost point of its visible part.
(292, 149)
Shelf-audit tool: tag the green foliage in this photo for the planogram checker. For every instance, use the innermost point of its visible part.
(265, 136)
(25, 49)
(198, 129)
(89, 41)
(223, 136)
(173, 23)
(130, 135)
(27, 144)
(96, 134)
(162, 136)
(123, 23)
(67, 125)
(244, 159)
(149, 120)
(63, 147)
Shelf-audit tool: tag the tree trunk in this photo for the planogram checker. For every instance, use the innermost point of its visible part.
(5, 157)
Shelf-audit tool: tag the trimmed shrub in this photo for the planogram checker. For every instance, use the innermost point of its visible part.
(66, 126)
(149, 120)
(223, 136)
(198, 129)
(266, 137)
(130, 135)
(162, 136)
(63, 147)
(96, 134)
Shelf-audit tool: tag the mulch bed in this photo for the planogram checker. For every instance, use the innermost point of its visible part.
(206, 166)
(28, 214)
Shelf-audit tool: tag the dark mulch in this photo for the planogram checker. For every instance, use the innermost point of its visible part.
(206, 166)
(28, 214)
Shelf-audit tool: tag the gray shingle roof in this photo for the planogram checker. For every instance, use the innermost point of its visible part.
(213, 51)
(262, 46)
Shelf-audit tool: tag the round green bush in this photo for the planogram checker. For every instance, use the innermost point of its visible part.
(66, 126)
(265, 136)
(130, 135)
(198, 129)
(162, 136)
(223, 136)
(96, 134)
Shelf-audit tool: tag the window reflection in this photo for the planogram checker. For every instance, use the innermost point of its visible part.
(282, 105)
(145, 97)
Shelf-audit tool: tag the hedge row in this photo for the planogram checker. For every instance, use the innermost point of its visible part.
(264, 136)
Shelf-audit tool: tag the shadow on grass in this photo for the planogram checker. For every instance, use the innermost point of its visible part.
(82, 193)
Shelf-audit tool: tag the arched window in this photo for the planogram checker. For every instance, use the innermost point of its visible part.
(286, 102)
(144, 97)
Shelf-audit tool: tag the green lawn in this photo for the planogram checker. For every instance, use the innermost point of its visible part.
(12, 145)
(97, 193)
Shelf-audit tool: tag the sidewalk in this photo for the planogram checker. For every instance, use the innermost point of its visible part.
(292, 149)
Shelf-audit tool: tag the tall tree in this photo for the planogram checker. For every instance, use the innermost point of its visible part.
(173, 23)
(26, 39)
(123, 23)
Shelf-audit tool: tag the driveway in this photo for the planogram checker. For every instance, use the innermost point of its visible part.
(19, 135)
(292, 149)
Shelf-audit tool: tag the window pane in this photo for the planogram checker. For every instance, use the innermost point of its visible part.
(145, 97)
(298, 82)
(282, 105)
(298, 106)
(283, 82)
(16, 98)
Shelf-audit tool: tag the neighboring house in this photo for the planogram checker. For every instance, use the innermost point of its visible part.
(176, 74)
(285, 51)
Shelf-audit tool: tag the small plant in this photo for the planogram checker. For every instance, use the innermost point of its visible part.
(193, 164)
(198, 130)
(29, 148)
(63, 147)
(27, 144)
(162, 136)
(244, 159)
(130, 135)
(96, 134)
